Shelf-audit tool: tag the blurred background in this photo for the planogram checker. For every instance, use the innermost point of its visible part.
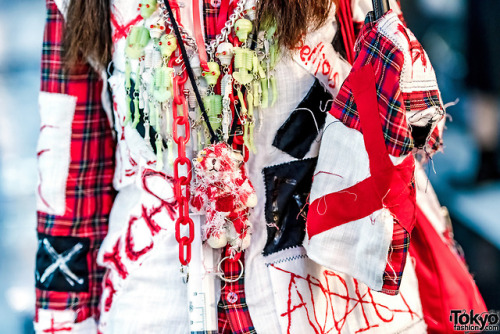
(464, 176)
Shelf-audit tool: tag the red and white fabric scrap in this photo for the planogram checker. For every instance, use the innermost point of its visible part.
(363, 194)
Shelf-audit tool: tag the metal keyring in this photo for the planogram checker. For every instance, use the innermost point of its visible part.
(185, 274)
(221, 274)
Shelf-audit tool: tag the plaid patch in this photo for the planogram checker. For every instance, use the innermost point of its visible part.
(89, 191)
(233, 317)
(233, 310)
(417, 101)
(396, 260)
(210, 16)
(372, 47)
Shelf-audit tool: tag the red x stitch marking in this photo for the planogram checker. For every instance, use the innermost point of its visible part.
(121, 31)
(340, 303)
(414, 46)
(53, 329)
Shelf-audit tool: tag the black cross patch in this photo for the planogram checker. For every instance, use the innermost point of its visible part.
(61, 263)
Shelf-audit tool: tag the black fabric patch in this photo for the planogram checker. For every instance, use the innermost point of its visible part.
(287, 188)
(299, 131)
(72, 273)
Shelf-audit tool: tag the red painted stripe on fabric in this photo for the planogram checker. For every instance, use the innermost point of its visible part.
(200, 42)
(221, 20)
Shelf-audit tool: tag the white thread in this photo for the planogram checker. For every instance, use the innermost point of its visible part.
(312, 114)
(451, 104)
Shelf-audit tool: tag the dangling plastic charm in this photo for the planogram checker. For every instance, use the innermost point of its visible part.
(250, 122)
(213, 107)
(159, 152)
(137, 93)
(152, 113)
(137, 40)
(249, 101)
(143, 66)
(226, 89)
(147, 126)
(168, 44)
(243, 63)
(257, 93)
(243, 27)
(170, 152)
(265, 93)
(166, 110)
(156, 30)
(157, 123)
(274, 90)
(163, 84)
(258, 71)
(251, 143)
(242, 102)
(128, 85)
(250, 9)
(225, 53)
(147, 7)
(212, 76)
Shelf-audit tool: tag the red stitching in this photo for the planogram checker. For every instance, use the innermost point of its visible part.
(121, 31)
(53, 329)
(360, 301)
(115, 259)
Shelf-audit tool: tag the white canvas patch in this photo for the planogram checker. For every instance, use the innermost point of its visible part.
(358, 248)
(312, 299)
(54, 151)
(63, 321)
(417, 74)
(318, 57)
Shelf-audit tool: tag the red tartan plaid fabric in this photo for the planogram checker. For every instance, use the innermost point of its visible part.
(396, 260)
(89, 191)
(210, 16)
(232, 308)
(387, 61)
(233, 317)
(417, 101)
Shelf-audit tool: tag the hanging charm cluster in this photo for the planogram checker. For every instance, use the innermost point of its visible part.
(237, 80)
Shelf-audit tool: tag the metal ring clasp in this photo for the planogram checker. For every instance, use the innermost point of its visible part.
(221, 273)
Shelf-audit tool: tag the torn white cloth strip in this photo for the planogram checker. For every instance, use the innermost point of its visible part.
(54, 151)
(63, 321)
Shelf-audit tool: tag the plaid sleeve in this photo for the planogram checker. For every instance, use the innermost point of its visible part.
(80, 159)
